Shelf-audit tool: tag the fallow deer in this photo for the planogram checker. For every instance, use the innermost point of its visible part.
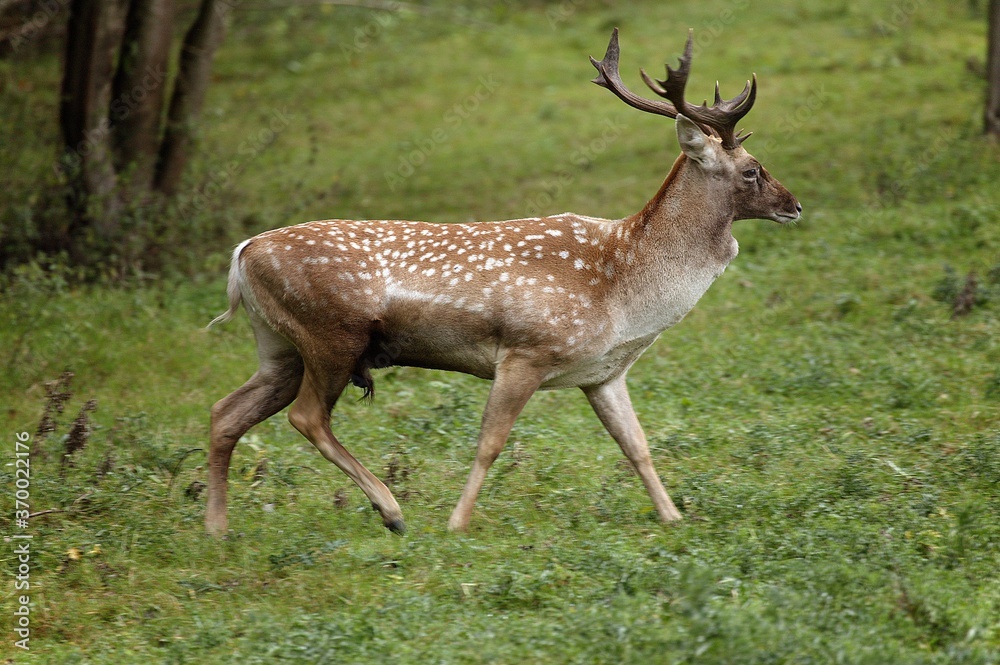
(553, 302)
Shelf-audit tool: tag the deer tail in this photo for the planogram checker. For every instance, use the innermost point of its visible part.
(232, 287)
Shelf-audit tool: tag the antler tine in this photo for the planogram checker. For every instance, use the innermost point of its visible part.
(722, 116)
(676, 78)
(672, 87)
(731, 111)
(608, 77)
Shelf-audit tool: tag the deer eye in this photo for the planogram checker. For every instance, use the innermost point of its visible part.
(750, 174)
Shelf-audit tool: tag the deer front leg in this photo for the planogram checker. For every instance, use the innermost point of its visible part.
(514, 384)
(613, 406)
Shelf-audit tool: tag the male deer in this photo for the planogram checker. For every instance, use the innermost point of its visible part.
(540, 303)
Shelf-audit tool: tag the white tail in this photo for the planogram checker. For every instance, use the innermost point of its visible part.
(232, 287)
(553, 302)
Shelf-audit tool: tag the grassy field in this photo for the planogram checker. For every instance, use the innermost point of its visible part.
(827, 426)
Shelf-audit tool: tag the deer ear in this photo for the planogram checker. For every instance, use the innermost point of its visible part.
(694, 142)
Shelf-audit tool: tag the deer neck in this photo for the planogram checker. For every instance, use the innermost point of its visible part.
(690, 218)
(668, 254)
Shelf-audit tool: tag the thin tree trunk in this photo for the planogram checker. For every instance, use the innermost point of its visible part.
(93, 33)
(138, 91)
(197, 53)
(993, 71)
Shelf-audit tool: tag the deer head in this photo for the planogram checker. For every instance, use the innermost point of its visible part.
(708, 137)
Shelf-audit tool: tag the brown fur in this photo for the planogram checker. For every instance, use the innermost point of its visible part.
(553, 302)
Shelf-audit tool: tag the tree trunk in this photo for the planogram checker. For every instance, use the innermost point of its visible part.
(138, 91)
(197, 53)
(116, 149)
(93, 33)
(993, 71)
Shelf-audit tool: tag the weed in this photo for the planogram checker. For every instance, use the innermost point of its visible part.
(57, 393)
(79, 433)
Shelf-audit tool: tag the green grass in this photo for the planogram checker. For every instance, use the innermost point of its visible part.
(829, 430)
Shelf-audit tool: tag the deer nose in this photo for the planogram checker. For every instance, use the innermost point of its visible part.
(798, 207)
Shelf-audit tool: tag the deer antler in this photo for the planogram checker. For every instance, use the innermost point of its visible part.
(608, 77)
(719, 119)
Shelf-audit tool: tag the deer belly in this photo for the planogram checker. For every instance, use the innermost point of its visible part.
(477, 360)
(435, 337)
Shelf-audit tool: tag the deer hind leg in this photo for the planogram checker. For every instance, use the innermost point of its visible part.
(514, 384)
(269, 390)
(310, 415)
(613, 406)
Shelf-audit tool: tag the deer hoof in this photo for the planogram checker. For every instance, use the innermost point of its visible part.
(396, 526)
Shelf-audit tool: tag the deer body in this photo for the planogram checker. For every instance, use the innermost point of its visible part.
(566, 289)
(539, 303)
